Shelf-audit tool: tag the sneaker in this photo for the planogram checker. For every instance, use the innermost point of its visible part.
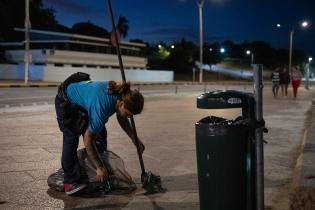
(73, 188)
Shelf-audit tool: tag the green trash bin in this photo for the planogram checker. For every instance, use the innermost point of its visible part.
(224, 151)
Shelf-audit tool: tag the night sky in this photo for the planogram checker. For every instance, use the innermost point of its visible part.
(171, 20)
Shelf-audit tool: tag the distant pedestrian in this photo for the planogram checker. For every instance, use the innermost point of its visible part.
(275, 79)
(296, 80)
(284, 81)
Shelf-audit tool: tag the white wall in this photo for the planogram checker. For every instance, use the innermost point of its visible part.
(16, 72)
(59, 74)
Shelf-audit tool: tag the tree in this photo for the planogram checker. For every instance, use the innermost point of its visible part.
(43, 18)
(212, 53)
(182, 57)
(281, 57)
(123, 26)
(89, 29)
(263, 52)
(299, 57)
(138, 41)
(12, 14)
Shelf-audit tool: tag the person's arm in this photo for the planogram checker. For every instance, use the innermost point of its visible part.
(89, 143)
(126, 126)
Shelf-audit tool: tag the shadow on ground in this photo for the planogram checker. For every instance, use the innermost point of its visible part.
(113, 201)
(118, 200)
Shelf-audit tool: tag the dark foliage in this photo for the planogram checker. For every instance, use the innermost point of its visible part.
(123, 26)
(181, 58)
(12, 14)
(89, 29)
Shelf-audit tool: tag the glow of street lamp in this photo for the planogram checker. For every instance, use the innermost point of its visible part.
(248, 52)
(278, 25)
(310, 59)
(159, 46)
(210, 49)
(172, 46)
(304, 24)
(222, 50)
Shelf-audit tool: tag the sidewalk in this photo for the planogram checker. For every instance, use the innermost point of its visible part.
(30, 147)
(303, 188)
(19, 83)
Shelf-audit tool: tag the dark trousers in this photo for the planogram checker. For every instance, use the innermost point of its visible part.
(275, 89)
(295, 85)
(69, 158)
(284, 89)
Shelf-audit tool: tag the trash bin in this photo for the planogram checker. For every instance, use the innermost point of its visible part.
(224, 151)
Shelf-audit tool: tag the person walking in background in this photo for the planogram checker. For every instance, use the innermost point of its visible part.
(275, 79)
(296, 80)
(284, 81)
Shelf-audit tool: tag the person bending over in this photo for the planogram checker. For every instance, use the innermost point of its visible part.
(91, 104)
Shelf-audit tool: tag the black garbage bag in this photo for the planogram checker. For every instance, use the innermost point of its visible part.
(120, 182)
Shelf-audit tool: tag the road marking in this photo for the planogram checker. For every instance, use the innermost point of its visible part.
(6, 106)
(29, 97)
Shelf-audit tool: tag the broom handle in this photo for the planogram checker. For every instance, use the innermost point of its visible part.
(133, 125)
(117, 42)
(124, 80)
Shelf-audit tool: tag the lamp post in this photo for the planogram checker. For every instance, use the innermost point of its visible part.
(248, 52)
(27, 26)
(222, 51)
(200, 5)
(290, 51)
(304, 24)
(307, 75)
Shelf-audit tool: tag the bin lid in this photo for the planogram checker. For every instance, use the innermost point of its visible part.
(223, 99)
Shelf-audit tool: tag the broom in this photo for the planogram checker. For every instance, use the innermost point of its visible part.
(150, 182)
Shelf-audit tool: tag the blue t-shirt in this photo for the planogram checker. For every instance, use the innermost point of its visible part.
(94, 98)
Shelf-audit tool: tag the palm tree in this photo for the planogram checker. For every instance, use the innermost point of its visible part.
(123, 26)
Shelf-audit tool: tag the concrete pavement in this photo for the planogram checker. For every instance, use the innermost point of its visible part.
(303, 185)
(30, 146)
(21, 84)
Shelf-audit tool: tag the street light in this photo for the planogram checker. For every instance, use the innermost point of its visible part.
(304, 24)
(200, 5)
(222, 50)
(248, 52)
(27, 25)
(307, 75)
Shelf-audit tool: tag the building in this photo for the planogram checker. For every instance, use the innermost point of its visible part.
(55, 55)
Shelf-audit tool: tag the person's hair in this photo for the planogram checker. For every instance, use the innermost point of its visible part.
(133, 99)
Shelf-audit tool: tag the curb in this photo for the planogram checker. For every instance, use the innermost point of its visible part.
(27, 85)
(22, 85)
(302, 195)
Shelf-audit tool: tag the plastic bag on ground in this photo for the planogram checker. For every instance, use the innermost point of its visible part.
(120, 182)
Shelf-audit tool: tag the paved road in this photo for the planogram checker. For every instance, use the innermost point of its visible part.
(13, 97)
(30, 146)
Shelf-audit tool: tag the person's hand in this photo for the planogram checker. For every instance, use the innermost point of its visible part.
(101, 174)
(141, 146)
